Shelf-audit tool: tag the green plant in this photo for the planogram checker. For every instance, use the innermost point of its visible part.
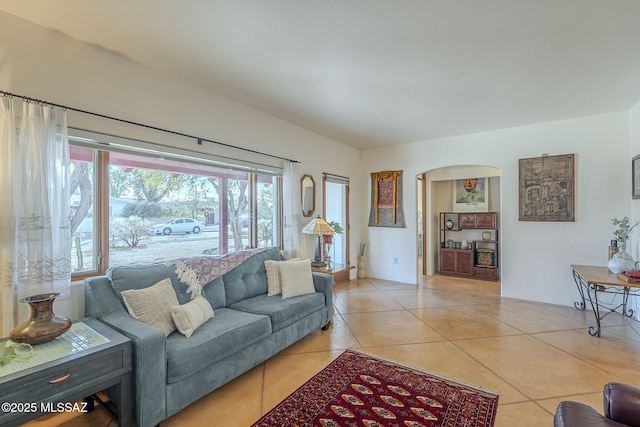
(337, 228)
(624, 231)
(142, 209)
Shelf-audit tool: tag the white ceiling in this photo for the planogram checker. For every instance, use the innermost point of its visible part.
(377, 72)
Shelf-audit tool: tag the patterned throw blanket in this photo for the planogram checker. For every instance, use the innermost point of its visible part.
(196, 272)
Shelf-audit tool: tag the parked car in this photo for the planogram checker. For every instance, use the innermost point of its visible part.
(178, 225)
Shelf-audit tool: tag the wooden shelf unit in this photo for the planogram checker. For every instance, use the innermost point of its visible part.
(479, 260)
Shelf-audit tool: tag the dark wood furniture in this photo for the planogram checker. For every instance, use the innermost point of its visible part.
(81, 371)
(456, 262)
(479, 258)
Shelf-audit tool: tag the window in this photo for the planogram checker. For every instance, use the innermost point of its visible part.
(153, 207)
(336, 210)
(83, 225)
(266, 212)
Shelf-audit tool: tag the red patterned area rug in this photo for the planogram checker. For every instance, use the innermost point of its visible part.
(361, 390)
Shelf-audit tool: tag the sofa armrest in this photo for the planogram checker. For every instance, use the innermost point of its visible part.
(323, 283)
(148, 350)
(622, 403)
(575, 414)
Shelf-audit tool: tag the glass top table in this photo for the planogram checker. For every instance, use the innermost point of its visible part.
(78, 338)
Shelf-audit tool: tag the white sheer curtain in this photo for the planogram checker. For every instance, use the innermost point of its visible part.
(36, 253)
(7, 216)
(292, 208)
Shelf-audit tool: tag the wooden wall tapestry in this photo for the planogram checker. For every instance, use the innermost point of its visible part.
(547, 188)
(386, 200)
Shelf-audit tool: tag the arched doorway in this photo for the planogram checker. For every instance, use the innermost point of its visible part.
(435, 193)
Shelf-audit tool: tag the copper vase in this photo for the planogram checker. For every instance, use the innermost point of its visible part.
(43, 325)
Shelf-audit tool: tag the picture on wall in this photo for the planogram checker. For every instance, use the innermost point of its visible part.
(547, 188)
(471, 195)
(386, 200)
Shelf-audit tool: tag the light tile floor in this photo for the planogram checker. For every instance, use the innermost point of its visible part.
(533, 354)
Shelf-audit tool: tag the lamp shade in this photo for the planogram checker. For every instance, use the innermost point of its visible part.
(318, 226)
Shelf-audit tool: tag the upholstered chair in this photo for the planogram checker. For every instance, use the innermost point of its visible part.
(621, 408)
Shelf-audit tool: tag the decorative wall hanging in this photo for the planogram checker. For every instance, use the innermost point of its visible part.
(471, 195)
(547, 188)
(386, 200)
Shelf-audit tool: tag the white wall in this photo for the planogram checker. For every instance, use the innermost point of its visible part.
(536, 256)
(635, 151)
(46, 65)
(634, 116)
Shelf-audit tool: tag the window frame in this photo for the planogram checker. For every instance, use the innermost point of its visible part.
(101, 219)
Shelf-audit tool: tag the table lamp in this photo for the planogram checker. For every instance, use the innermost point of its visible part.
(319, 227)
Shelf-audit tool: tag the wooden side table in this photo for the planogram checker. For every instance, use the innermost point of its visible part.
(340, 272)
(87, 359)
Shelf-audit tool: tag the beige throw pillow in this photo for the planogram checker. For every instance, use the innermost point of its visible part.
(296, 279)
(152, 305)
(188, 317)
(273, 275)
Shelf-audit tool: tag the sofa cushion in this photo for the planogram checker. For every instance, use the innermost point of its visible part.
(272, 268)
(250, 278)
(221, 336)
(188, 317)
(142, 276)
(152, 305)
(129, 277)
(214, 293)
(282, 312)
(296, 279)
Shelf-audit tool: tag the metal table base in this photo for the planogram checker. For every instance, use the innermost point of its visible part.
(593, 281)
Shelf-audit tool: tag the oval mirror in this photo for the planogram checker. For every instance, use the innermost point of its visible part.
(308, 188)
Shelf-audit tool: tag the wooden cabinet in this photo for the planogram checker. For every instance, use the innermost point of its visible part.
(469, 245)
(485, 220)
(456, 262)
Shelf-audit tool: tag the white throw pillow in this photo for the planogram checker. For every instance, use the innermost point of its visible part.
(188, 317)
(273, 275)
(152, 305)
(296, 279)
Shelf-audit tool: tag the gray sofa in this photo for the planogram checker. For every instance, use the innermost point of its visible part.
(248, 328)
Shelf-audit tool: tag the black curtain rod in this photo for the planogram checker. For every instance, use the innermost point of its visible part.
(199, 140)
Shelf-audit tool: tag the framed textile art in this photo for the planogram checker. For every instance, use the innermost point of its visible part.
(386, 200)
(546, 188)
